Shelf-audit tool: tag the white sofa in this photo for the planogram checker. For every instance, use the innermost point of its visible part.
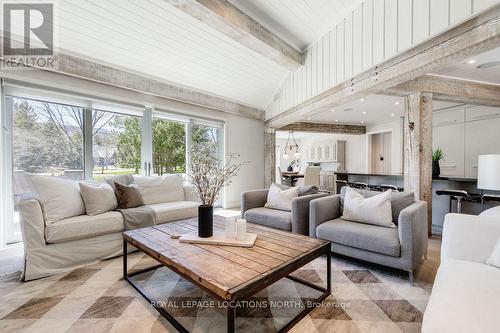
(466, 293)
(52, 247)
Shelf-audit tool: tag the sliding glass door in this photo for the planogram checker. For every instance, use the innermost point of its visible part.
(80, 139)
(47, 139)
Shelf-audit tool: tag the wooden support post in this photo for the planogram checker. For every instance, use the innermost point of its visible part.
(418, 149)
(269, 157)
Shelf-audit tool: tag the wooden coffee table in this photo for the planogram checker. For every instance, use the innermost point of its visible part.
(229, 274)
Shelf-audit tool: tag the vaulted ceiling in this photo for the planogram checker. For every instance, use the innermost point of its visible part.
(156, 39)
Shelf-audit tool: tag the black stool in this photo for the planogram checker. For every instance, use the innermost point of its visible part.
(459, 195)
(385, 187)
(360, 185)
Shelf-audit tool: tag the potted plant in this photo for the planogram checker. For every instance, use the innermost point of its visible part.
(437, 155)
(209, 175)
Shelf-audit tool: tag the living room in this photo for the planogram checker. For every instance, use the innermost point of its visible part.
(261, 166)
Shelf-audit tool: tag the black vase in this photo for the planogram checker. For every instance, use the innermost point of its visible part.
(290, 168)
(436, 170)
(205, 221)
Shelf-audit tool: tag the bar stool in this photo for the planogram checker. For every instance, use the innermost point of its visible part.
(340, 184)
(385, 187)
(459, 195)
(360, 185)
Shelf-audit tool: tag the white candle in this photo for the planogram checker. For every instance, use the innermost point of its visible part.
(241, 229)
(230, 227)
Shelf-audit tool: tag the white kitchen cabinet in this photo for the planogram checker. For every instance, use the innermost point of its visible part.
(481, 137)
(474, 113)
(450, 116)
(450, 138)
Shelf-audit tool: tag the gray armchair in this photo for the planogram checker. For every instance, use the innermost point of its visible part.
(401, 247)
(296, 221)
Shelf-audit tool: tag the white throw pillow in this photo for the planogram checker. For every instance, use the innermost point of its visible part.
(60, 198)
(160, 189)
(373, 210)
(281, 199)
(99, 198)
(494, 259)
(493, 212)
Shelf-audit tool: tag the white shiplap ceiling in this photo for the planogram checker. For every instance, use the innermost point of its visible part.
(154, 39)
(299, 22)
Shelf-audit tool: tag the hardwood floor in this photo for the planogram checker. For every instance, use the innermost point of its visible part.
(427, 271)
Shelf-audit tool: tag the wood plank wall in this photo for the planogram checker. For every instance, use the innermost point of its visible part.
(375, 31)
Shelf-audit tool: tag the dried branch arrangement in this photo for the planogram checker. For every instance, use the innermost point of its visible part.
(209, 175)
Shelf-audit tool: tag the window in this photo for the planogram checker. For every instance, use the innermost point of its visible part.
(78, 138)
(47, 138)
(116, 144)
(169, 146)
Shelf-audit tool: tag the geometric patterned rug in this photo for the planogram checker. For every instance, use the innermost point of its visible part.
(364, 298)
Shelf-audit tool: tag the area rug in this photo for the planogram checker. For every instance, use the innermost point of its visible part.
(364, 298)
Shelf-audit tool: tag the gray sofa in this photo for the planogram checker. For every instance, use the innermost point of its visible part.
(296, 220)
(401, 247)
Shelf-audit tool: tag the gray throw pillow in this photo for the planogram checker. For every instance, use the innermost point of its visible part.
(128, 196)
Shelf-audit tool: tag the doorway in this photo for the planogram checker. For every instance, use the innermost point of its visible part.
(381, 146)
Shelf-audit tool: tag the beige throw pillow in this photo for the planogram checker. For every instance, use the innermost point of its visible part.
(374, 210)
(160, 189)
(60, 198)
(281, 199)
(99, 198)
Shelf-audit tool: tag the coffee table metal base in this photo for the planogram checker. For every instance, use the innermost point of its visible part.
(231, 311)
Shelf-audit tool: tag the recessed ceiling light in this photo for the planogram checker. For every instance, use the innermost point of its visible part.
(397, 103)
(362, 121)
(336, 120)
(332, 110)
(364, 112)
(362, 100)
(308, 118)
(471, 61)
(392, 114)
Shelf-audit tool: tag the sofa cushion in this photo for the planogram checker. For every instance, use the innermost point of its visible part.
(159, 189)
(465, 298)
(99, 198)
(303, 190)
(60, 198)
(399, 200)
(493, 212)
(173, 211)
(83, 226)
(274, 218)
(126, 179)
(362, 236)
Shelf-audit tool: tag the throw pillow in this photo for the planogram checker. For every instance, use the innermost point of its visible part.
(160, 189)
(493, 212)
(122, 179)
(99, 198)
(128, 196)
(374, 210)
(494, 259)
(60, 198)
(281, 199)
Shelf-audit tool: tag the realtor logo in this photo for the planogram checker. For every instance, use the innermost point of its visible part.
(28, 35)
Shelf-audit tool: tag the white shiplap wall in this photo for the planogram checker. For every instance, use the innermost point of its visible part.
(374, 31)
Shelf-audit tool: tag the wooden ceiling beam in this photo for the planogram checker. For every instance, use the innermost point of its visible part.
(232, 22)
(324, 128)
(450, 90)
